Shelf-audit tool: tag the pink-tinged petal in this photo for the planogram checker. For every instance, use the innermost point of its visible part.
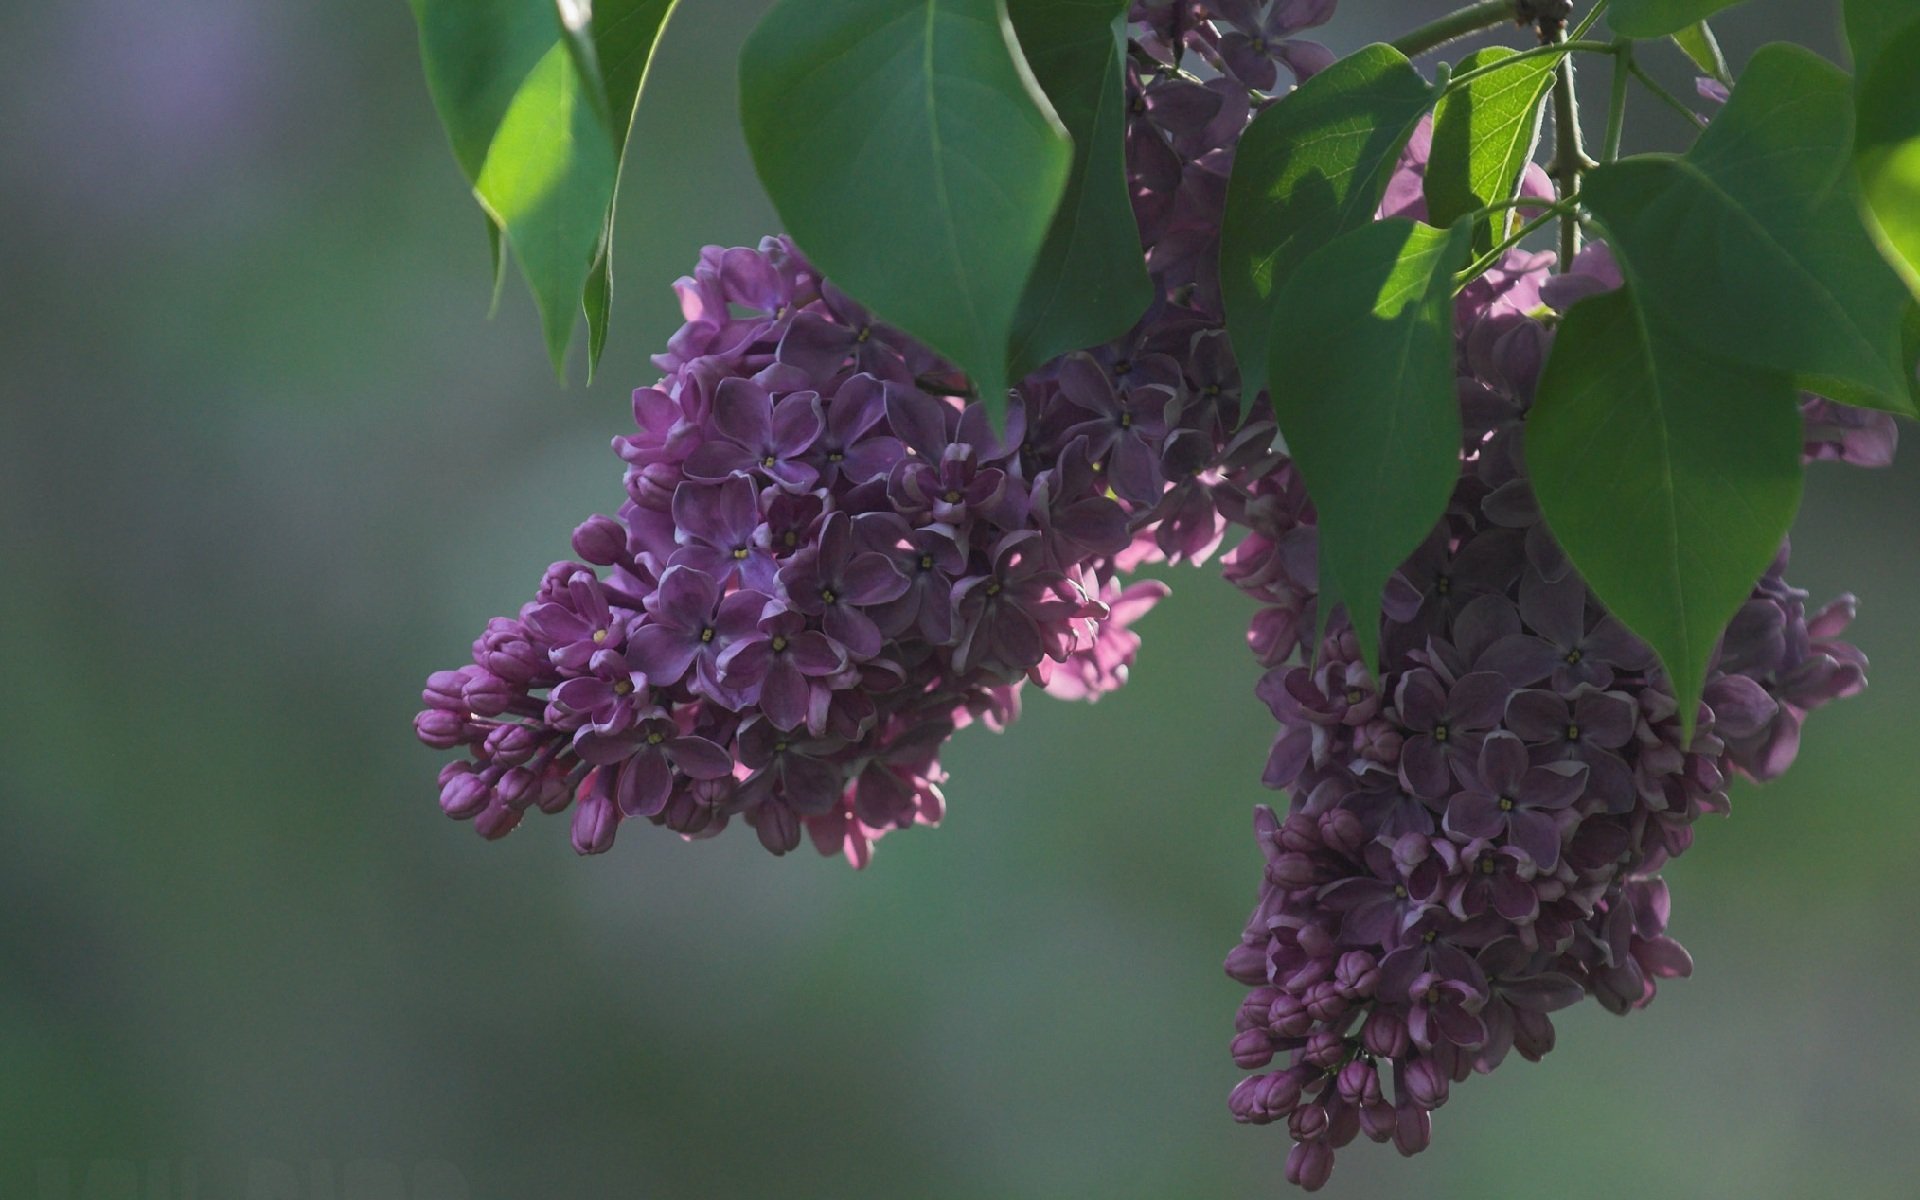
(663, 653)
(871, 459)
(1519, 658)
(1612, 642)
(1457, 1025)
(1664, 957)
(683, 601)
(1556, 610)
(813, 653)
(815, 345)
(1083, 383)
(713, 461)
(812, 786)
(1537, 835)
(700, 758)
(1545, 993)
(1538, 716)
(557, 624)
(1478, 700)
(739, 615)
(745, 663)
(872, 579)
(797, 423)
(582, 695)
(1136, 471)
(645, 783)
(743, 411)
(1609, 780)
(1475, 815)
(1605, 718)
(1501, 764)
(783, 695)
(918, 420)
(1421, 699)
(1423, 767)
(852, 629)
(1554, 786)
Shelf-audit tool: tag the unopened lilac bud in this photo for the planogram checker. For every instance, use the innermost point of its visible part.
(1357, 973)
(1326, 1001)
(1377, 1121)
(1300, 834)
(1425, 1083)
(486, 694)
(1247, 964)
(1244, 1101)
(1412, 1130)
(1325, 1049)
(1359, 1082)
(1385, 1034)
(445, 690)
(1532, 1034)
(1343, 831)
(601, 540)
(1833, 618)
(517, 788)
(1280, 1094)
(556, 792)
(464, 795)
(1292, 871)
(1308, 1122)
(777, 826)
(596, 818)
(1288, 1017)
(1253, 1009)
(496, 821)
(440, 728)
(511, 745)
(1310, 1165)
(1252, 1049)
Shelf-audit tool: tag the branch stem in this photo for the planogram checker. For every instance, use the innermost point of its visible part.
(1455, 25)
(1569, 155)
(1617, 108)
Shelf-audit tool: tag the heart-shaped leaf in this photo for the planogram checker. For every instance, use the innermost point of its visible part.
(1090, 284)
(1885, 35)
(1311, 166)
(1484, 133)
(1668, 476)
(1363, 383)
(1658, 18)
(537, 97)
(914, 159)
(1751, 245)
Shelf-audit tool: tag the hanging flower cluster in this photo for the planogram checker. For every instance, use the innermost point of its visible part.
(827, 561)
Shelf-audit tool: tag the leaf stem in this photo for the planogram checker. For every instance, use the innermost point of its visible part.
(1591, 47)
(1658, 89)
(1569, 155)
(1486, 262)
(1617, 109)
(1455, 25)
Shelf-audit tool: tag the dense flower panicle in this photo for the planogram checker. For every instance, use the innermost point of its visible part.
(827, 561)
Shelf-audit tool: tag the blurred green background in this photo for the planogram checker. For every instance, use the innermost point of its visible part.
(264, 464)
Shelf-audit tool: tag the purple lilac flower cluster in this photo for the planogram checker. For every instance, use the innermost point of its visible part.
(1473, 837)
(828, 561)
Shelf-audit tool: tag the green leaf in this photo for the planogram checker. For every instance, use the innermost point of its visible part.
(1669, 477)
(548, 182)
(1751, 245)
(1885, 35)
(1363, 383)
(1697, 42)
(1660, 18)
(537, 97)
(1308, 168)
(625, 34)
(1484, 133)
(1090, 284)
(913, 158)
